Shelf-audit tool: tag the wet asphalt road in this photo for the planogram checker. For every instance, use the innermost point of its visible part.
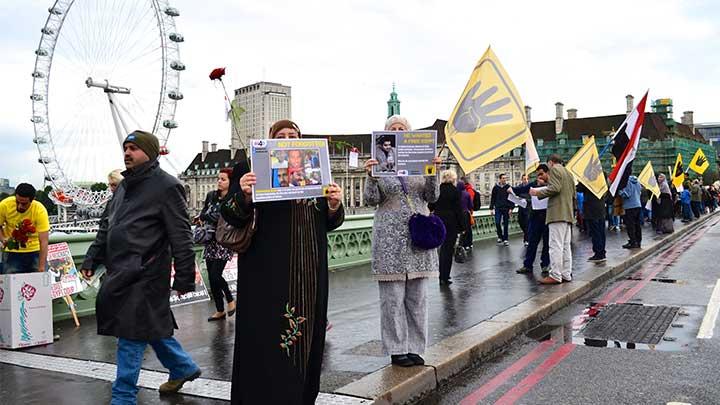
(483, 287)
(681, 368)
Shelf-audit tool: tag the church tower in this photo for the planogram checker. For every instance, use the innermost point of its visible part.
(393, 103)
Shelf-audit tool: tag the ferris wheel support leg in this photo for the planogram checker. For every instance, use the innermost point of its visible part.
(117, 120)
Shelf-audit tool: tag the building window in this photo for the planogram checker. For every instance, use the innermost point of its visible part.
(539, 142)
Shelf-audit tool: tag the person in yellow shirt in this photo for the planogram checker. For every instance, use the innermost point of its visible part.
(26, 250)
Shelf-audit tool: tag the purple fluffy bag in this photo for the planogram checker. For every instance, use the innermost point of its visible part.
(426, 231)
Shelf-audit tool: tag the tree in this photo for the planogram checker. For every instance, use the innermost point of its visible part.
(99, 187)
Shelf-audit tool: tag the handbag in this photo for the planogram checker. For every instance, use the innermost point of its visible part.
(426, 231)
(460, 254)
(233, 231)
(203, 234)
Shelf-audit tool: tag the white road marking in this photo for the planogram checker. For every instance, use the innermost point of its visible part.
(711, 314)
(202, 387)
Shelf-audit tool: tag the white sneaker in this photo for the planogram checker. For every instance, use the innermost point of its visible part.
(526, 243)
(499, 241)
(506, 243)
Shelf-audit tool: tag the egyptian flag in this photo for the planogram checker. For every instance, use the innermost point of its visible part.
(625, 146)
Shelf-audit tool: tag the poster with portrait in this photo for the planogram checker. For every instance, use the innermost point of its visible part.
(404, 153)
(64, 276)
(200, 294)
(290, 169)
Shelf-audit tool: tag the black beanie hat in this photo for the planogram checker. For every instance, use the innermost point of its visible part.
(146, 141)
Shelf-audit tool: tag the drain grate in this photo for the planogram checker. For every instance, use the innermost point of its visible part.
(631, 323)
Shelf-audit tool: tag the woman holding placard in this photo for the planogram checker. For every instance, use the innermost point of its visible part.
(400, 268)
(283, 291)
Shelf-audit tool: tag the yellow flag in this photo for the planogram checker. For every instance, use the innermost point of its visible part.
(532, 159)
(587, 169)
(489, 119)
(648, 180)
(678, 177)
(699, 162)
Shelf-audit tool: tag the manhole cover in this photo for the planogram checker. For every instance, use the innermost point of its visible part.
(631, 323)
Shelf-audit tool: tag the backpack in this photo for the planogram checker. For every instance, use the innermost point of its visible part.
(476, 201)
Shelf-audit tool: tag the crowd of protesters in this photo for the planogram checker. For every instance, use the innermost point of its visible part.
(133, 301)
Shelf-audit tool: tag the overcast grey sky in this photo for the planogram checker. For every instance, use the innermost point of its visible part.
(341, 58)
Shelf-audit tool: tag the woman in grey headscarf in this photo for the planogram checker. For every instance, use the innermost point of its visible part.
(663, 207)
(400, 268)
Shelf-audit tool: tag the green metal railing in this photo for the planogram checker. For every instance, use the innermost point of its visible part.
(348, 246)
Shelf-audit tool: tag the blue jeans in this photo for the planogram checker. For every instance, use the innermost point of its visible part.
(687, 212)
(597, 233)
(502, 219)
(129, 361)
(613, 220)
(537, 230)
(14, 263)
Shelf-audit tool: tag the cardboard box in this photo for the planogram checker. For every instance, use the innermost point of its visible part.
(25, 310)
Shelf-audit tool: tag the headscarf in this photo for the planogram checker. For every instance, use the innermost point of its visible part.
(664, 187)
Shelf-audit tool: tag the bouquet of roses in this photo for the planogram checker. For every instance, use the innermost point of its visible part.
(20, 235)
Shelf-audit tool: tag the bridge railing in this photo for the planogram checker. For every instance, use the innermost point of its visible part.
(348, 246)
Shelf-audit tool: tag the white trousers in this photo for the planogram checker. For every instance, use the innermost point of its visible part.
(404, 316)
(560, 253)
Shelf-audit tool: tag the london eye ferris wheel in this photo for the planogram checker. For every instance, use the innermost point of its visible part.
(103, 68)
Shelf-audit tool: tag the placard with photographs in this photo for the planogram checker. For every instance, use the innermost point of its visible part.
(290, 169)
(404, 153)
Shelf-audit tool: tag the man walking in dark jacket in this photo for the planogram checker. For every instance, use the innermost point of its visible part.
(144, 229)
(594, 216)
(500, 207)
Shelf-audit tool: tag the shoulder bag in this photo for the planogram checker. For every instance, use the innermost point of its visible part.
(426, 231)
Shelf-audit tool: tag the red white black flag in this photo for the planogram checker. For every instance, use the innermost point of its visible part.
(626, 143)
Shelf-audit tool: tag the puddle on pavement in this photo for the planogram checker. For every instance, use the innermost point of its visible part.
(680, 335)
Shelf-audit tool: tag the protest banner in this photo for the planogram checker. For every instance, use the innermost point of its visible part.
(290, 169)
(65, 277)
(648, 180)
(25, 310)
(489, 118)
(587, 169)
(200, 294)
(404, 153)
(230, 274)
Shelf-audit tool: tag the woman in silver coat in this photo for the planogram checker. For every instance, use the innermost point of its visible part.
(400, 268)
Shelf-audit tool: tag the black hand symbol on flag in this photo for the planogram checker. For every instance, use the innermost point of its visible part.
(678, 169)
(701, 160)
(472, 114)
(593, 169)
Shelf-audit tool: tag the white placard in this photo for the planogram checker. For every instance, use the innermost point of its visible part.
(517, 200)
(538, 204)
(354, 159)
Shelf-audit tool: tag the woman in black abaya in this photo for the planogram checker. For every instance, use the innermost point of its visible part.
(282, 294)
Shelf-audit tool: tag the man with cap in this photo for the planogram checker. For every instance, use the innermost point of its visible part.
(145, 228)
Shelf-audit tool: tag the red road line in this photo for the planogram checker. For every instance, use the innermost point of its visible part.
(676, 252)
(560, 354)
(500, 379)
(536, 376)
